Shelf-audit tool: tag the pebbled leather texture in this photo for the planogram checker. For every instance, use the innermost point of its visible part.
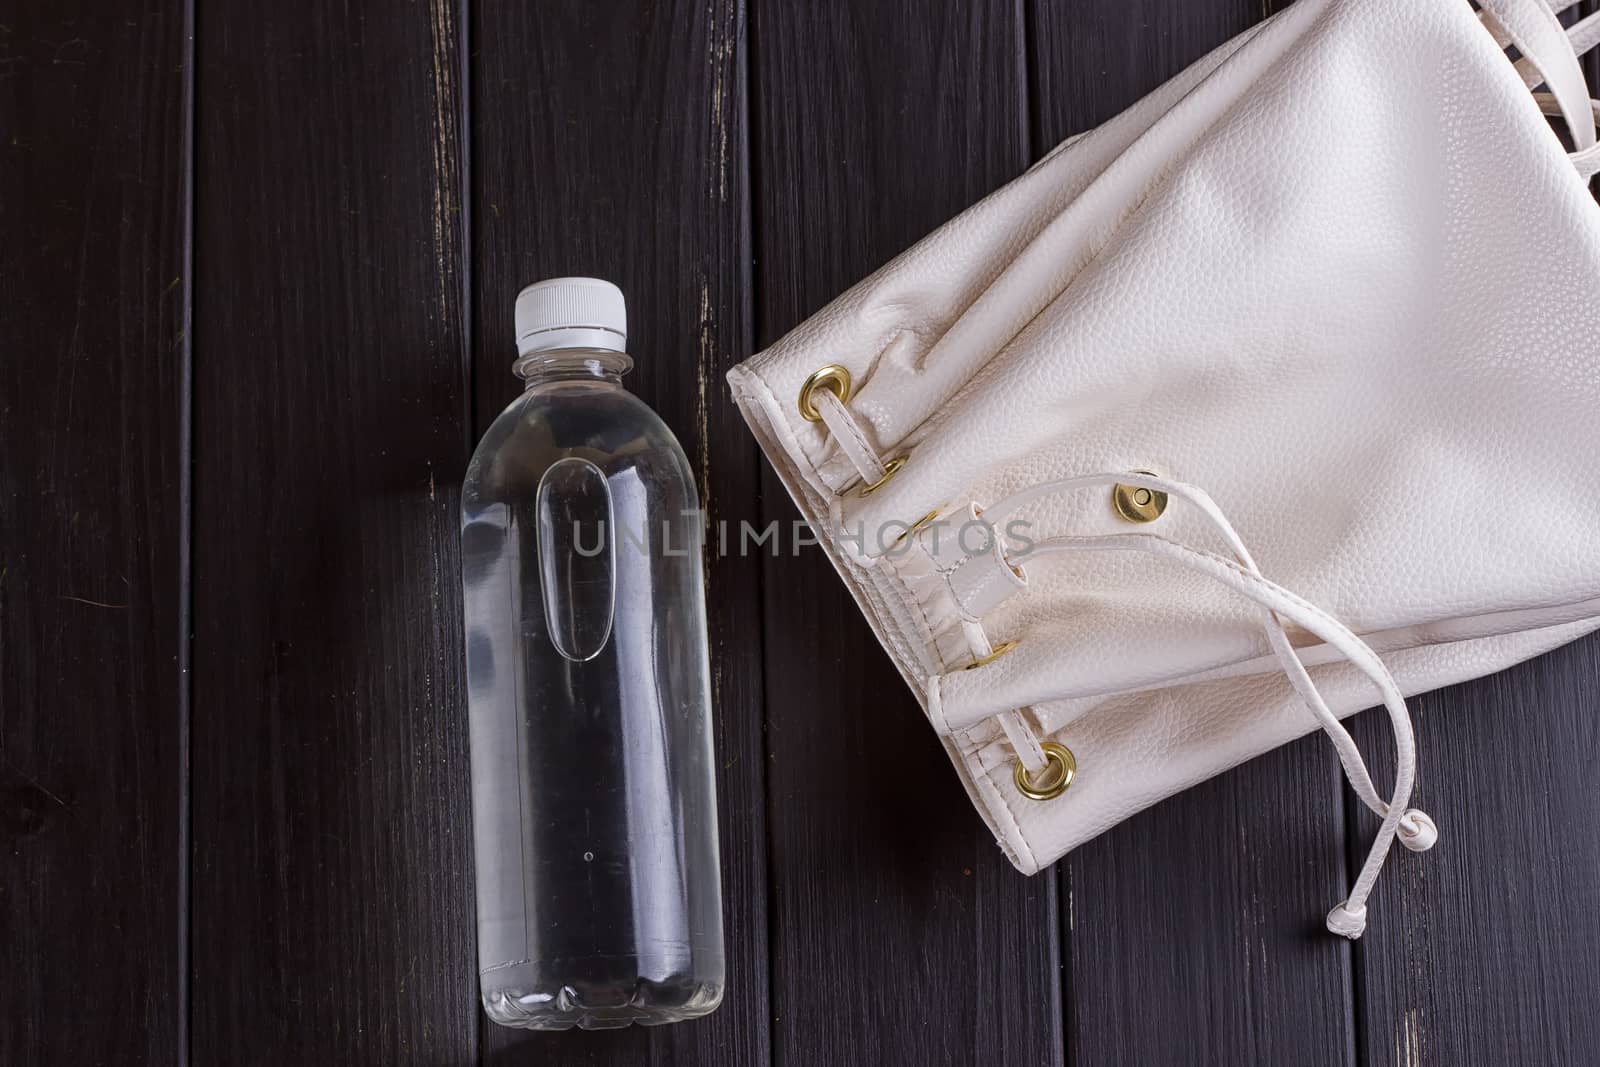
(1341, 273)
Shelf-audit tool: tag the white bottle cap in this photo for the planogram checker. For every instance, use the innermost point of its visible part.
(571, 313)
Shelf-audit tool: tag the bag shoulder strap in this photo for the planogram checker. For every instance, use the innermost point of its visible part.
(1532, 26)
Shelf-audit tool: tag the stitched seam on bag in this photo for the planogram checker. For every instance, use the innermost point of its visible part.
(983, 583)
(945, 575)
(937, 565)
(1005, 806)
(908, 595)
(902, 589)
(853, 429)
(1213, 673)
(948, 574)
(973, 779)
(833, 457)
(892, 630)
(888, 622)
(933, 561)
(1272, 590)
(961, 607)
(1054, 723)
(786, 461)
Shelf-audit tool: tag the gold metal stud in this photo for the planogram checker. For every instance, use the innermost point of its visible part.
(994, 653)
(1060, 767)
(1138, 504)
(890, 469)
(833, 378)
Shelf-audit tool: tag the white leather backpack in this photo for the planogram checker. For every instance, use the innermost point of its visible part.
(1272, 398)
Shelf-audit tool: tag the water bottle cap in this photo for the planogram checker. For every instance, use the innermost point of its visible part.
(571, 313)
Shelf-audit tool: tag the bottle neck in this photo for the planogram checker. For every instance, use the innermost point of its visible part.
(568, 364)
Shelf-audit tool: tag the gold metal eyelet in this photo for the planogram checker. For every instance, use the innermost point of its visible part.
(1138, 504)
(918, 526)
(833, 378)
(994, 653)
(890, 469)
(1060, 767)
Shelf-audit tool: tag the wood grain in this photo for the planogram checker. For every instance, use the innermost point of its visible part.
(1193, 930)
(610, 141)
(1486, 948)
(271, 863)
(1092, 59)
(332, 910)
(94, 230)
(900, 932)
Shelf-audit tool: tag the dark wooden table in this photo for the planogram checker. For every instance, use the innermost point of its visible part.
(256, 271)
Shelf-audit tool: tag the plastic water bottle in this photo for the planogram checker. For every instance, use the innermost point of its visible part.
(593, 785)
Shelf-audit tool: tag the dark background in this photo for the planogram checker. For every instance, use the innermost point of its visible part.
(256, 272)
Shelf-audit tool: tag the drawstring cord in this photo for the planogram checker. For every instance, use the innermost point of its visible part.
(1413, 827)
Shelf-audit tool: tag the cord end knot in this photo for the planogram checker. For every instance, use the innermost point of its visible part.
(1347, 922)
(1417, 831)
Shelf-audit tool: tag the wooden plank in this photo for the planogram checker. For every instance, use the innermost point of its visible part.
(332, 907)
(1488, 947)
(1091, 59)
(901, 934)
(1194, 928)
(93, 535)
(610, 141)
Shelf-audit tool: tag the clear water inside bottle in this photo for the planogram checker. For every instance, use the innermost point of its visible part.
(593, 783)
